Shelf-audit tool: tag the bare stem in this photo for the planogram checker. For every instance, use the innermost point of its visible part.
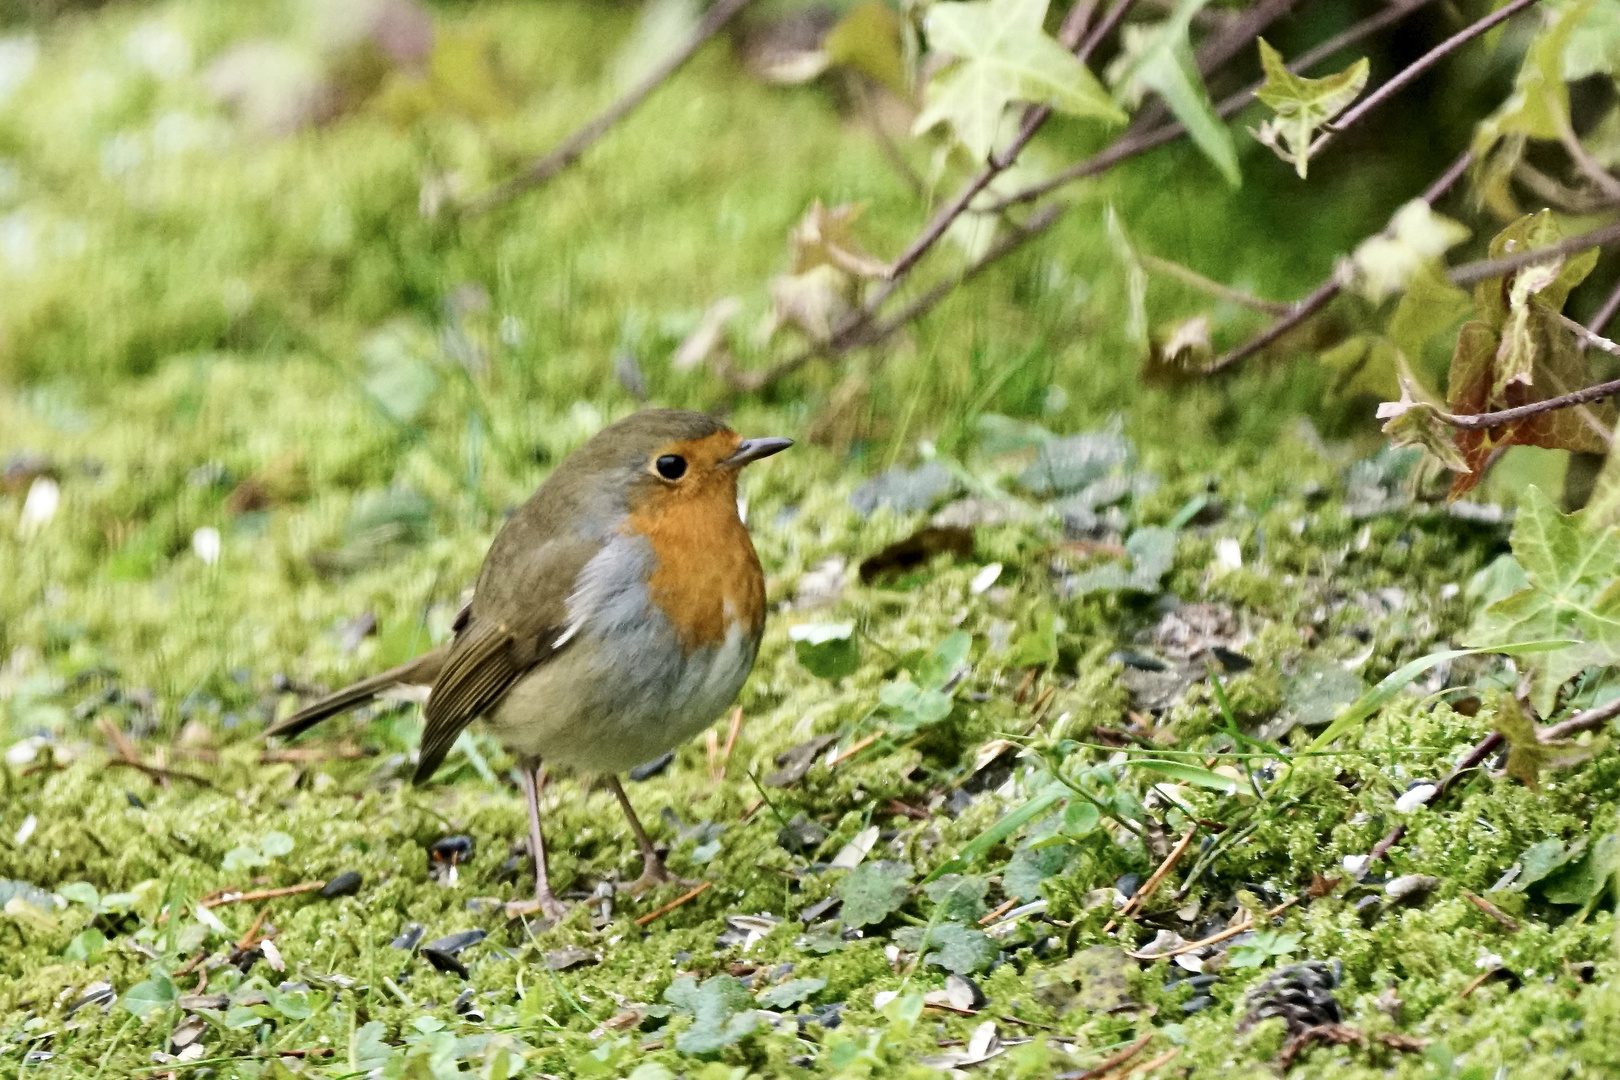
(1034, 118)
(1135, 143)
(1478, 421)
(1471, 273)
(1325, 292)
(1192, 278)
(1606, 313)
(572, 148)
(1411, 72)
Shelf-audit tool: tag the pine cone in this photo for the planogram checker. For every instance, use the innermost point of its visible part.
(1302, 994)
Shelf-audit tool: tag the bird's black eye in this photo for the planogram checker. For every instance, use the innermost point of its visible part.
(671, 466)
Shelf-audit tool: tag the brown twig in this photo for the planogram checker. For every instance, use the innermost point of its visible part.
(247, 940)
(1484, 749)
(1503, 919)
(1477, 421)
(263, 894)
(1412, 71)
(1215, 939)
(1193, 279)
(1148, 1066)
(672, 905)
(1116, 1059)
(1479, 980)
(855, 748)
(570, 149)
(1151, 885)
(999, 912)
(158, 773)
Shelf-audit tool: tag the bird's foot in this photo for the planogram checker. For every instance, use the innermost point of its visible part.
(544, 903)
(653, 874)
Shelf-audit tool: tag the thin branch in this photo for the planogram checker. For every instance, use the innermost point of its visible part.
(1412, 71)
(1471, 273)
(1134, 144)
(1325, 292)
(999, 162)
(1584, 721)
(1584, 161)
(1193, 279)
(1588, 337)
(570, 149)
(860, 332)
(1606, 313)
(1478, 421)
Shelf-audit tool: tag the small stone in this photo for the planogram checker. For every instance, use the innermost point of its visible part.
(650, 769)
(571, 957)
(345, 884)
(409, 937)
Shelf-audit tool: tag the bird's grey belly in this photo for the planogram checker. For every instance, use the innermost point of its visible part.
(600, 707)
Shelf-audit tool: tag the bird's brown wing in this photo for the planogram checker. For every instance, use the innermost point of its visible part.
(514, 623)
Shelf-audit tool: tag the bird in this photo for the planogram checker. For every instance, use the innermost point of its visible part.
(617, 613)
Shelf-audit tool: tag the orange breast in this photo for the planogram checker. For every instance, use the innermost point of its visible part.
(706, 575)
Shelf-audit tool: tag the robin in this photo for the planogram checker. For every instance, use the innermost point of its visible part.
(617, 613)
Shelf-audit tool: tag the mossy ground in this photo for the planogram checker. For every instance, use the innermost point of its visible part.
(184, 314)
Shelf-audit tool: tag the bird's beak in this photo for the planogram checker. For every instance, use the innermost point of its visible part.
(754, 449)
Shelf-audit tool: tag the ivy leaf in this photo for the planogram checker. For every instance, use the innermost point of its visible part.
(1160, 58)
(958, 948)
(1151, 550)
(1302, 105)
(959, 898)
(721, 1008)
(1418, 423)
(1542, 859)
(873, 891)
(1003, 56)
(1572, 595)
(1539, 105)
(1517, 351)
(1530, 751)
(788, 994)
(1416, 237)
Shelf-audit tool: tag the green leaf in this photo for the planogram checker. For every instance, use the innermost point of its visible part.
(86, 945)
(1571, 596)
(873, 891)
(1585, 879)
(240, 1018)
(1541, 859)
(914, 706)
(367, 1046)
(788, 994)
(1418, 423)
(1038, 804)
(1003, 55)
(1263, 946)
(1188, 774)
(1160, 58)
(275, 844)
(958, 948)
(1539, 105)
(1369, 703)
(81, 892)
(1529, 750)
(722, 1012)
(826, 650)
(1302, 105)
(1029, 867)
(1417, 237)
(1151, 551)
(959, 898)
(938, 667)
(155, 993)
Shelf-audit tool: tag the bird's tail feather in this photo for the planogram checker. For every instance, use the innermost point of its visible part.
(420, 671)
